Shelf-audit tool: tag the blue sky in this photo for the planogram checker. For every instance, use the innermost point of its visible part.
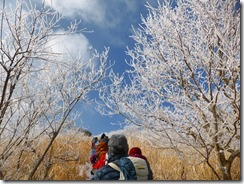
(117, 38)
(110, 21)
(111, 24)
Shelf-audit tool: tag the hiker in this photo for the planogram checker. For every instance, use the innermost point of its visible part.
(119, 165)
(136, 152)
(94, 143)
(101, 151)
(104, 138)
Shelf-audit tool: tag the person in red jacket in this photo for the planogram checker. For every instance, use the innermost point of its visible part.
(136, 152)
(101, 151)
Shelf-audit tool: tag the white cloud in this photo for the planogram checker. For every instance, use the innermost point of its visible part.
(112, 18)
(73, 44)
(107, 13)
(76, 44)
(88, 10)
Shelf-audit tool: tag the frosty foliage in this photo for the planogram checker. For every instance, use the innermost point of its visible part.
(41, 82)
(184, 84)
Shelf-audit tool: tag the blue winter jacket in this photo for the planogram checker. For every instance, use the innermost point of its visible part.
(108, 173)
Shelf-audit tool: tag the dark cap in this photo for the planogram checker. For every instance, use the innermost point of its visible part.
(118, 144)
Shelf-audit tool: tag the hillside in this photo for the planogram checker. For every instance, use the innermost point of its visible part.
(68, 159)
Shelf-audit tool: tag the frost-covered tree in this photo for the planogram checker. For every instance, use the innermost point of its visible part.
(41, 81)
(184, 81)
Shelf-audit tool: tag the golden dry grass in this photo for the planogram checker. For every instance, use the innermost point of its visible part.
(68, 154)
(166, 165)
(68, 159)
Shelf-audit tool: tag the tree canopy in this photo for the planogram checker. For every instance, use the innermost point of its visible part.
(184, 85)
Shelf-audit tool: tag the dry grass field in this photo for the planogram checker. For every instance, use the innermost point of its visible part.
(68, 159)
(166, 165)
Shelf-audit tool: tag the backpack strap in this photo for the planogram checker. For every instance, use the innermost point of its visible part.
(115, 167)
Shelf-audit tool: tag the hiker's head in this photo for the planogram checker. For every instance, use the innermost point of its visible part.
(117, 145)
(94, 141)
(102, 136)
(135, 150)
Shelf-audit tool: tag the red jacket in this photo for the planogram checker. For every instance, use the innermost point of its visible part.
(100, 162)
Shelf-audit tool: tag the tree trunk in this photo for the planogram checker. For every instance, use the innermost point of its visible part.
(225, 166)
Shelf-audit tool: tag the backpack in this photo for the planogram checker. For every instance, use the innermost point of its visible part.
(131, 168)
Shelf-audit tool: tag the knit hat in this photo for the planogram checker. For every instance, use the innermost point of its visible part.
(117, 145)
(102, 136)
(135, 150)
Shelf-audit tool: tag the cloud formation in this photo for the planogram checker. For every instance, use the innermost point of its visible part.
(111, 20)
(103, 13)
(87, 10)
(71, 44)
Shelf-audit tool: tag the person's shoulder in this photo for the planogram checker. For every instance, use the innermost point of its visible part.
(100, 173)
(105, 169)
(105, 173)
